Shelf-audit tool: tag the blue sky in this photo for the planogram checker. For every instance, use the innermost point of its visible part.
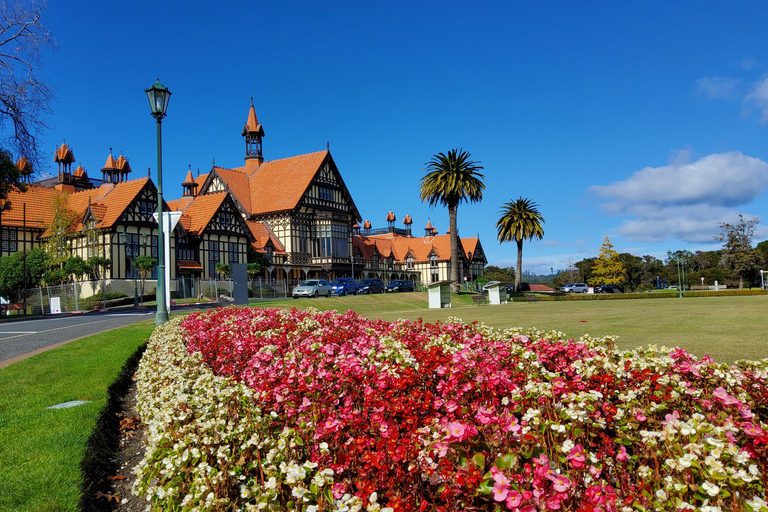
(646, 122)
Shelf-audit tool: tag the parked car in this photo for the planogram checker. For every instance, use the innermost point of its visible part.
(524, 287)
(344, 286)
(399, 286)
(609, 288)
(368, 286)
(312, 288)
(575, 288)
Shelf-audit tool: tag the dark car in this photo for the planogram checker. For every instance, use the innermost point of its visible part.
(524, 287)
(400, 286)
(344, 286)
(609, 288)
(368, 286)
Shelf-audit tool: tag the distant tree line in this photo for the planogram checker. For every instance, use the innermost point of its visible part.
(736, 265)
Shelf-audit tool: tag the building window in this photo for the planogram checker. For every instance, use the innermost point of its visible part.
(270, 253)
(435, 274)
(325, 194)
(375, 261)
(10, 243)
(225, 218)
(233, 256)
(303, 239)
(213, 257)
(409, 262)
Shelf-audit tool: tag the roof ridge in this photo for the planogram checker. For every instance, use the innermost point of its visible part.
(297, 156)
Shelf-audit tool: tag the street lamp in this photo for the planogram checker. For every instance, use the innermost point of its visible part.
(158, 101)
(133, 244)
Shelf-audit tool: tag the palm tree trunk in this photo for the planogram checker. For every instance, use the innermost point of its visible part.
(454, 276)
(519, 268)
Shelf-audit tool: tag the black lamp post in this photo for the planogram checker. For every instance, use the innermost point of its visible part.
(131, 248)
(158, 102)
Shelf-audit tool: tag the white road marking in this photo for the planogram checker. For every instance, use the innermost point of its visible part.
(19, 332)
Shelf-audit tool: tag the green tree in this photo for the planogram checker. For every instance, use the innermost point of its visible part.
(75, 267)
(60, 231)
(223, 271)
(451, 179)
(24, 97)
(99, 267)
(738, 254)
(144, 265)
(608, 268)
(520, 220)
(494, 273)
(10, 175)
(12, 269)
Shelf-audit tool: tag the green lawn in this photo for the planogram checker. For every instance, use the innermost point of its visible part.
(41, 449)
(726, 328)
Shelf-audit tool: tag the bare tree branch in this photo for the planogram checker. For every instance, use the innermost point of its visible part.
(24, 100)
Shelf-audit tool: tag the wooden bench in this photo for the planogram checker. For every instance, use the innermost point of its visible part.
(12, 306)
(480, 299)
(531, 298)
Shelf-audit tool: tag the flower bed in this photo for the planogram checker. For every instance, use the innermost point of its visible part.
(301, 410)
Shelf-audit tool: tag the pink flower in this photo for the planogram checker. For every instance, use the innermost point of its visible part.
(560, 483)
(752, 430)
(514, 499)
(576, 456)
(456, 430)
(500, 491)
(722, 395)
(639, 416)
(451, 406)
(338, 490)
(622, 455)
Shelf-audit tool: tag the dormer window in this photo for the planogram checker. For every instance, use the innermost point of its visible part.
(409, 262)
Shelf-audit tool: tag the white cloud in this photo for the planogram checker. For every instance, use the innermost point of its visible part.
(749, 63)
(684, 201)
(724, 179)
(758, 98)
(717, 87)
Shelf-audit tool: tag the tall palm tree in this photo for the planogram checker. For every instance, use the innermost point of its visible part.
(520, 220)
(451, 179)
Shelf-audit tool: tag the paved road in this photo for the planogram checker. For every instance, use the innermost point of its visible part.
(29, 337)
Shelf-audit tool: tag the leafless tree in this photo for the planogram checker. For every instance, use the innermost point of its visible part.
(24, 100)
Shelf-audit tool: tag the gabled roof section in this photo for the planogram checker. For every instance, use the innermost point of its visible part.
(421, 248)
(279, 185)
(263, 236)
(108, 202)
(236, 182)
(200, 211)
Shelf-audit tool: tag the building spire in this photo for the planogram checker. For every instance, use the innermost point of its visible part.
(253, 133)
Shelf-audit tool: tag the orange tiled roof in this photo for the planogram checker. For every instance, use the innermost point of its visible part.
(278, 185)
(399, 246)
(109, 200)
(189, 180)
(470, 245)
(263, 234)
(110, 164)
(180, 204)
(64, 155)
(122, 164)
(391, 216)
(407, 220)
(38, 201)
(238, 183)
(24, 166)
(199, 212)
(252, 124)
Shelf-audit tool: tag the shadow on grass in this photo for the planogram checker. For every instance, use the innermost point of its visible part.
(101, 449)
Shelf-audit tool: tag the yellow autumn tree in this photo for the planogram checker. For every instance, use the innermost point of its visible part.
(608, 268)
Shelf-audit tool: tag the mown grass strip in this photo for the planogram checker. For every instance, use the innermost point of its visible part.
(41, 449)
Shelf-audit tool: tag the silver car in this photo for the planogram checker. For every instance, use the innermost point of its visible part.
(575, 288)
(312, 288)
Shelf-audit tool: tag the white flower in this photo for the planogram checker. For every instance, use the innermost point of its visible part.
(567, 446)
(710, 488)
(661, 495)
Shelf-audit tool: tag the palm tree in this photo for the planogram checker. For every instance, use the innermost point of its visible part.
(520, 220)
(451, 179)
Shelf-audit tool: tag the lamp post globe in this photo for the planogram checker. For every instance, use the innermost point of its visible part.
(159, 97)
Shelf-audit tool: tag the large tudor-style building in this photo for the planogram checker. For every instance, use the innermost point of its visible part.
(296, 211)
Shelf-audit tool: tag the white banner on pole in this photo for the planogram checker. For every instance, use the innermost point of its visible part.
(170, 219)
